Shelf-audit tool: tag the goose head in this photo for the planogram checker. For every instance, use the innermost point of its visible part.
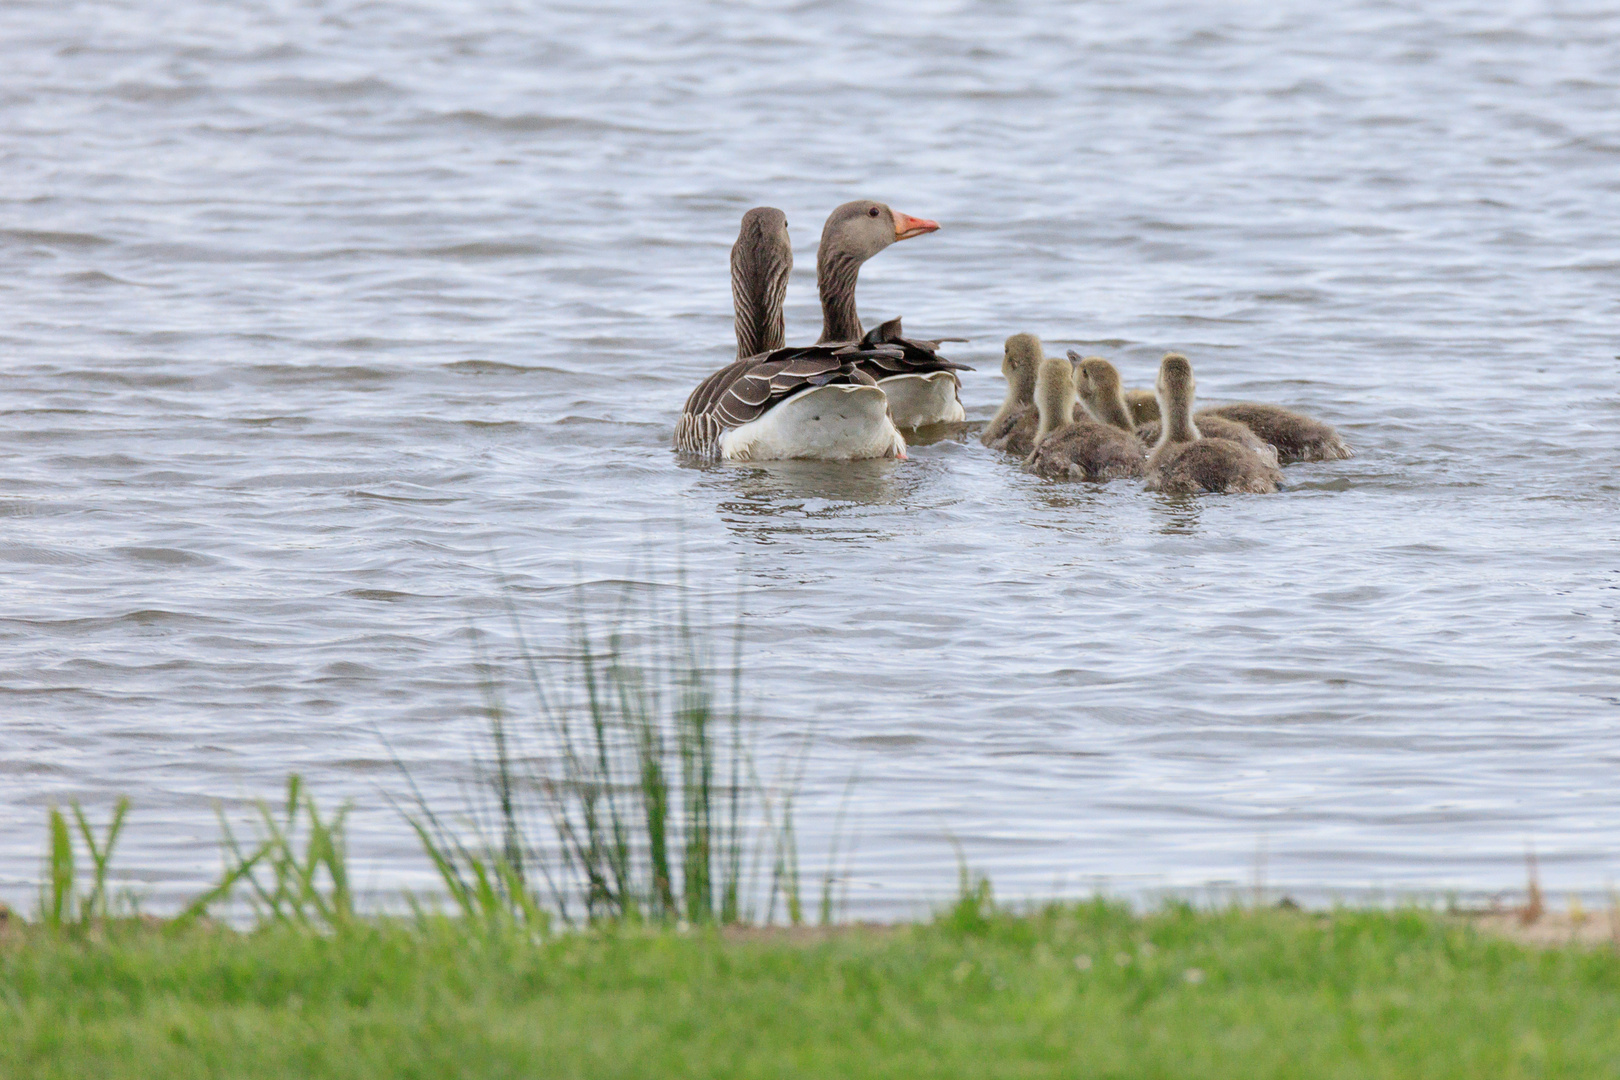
(854, 233)
(761, 260)
(859, 230)
(1096, 381)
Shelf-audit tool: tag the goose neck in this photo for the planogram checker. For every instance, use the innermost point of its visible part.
(836, 274)
(758, 289)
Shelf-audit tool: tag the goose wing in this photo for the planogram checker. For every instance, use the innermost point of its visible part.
(915, 356)
(748, 388)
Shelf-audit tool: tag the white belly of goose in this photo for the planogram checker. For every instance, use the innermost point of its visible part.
(830, 423)
(917, 400)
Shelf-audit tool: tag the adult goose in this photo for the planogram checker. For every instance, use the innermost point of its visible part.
(1097, 382)
(1070, 447)
(921, 385)
(1185, 462)
(772, 402)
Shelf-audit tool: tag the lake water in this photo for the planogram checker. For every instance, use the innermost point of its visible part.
(321, 317)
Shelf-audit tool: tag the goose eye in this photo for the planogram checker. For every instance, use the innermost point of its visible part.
(872, 212)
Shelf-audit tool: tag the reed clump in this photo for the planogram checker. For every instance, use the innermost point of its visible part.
(626, 791)
(62, 904)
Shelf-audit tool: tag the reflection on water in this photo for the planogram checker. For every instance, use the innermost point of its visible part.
(328, 342)
(1177, 515)
(929, 434)
(770, 488)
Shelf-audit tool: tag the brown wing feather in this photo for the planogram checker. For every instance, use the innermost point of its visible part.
(915, 357)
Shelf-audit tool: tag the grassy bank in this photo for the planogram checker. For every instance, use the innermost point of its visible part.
(614, 879)
(1087, 990)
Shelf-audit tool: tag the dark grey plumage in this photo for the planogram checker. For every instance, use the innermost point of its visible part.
(748, 388)
(916, 357)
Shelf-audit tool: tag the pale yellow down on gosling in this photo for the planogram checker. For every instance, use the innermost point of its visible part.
(1076, 447)
(1291, 436)
(1184, 463)
(1143, 405)
(1098, 385)
(1013, 427)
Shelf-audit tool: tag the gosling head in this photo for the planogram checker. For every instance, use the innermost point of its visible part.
(1174, 389)
(1096, 381)
(1095, 377)
(1020, 363)
(1054, 396)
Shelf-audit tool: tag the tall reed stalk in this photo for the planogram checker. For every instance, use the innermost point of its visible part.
(628, 793)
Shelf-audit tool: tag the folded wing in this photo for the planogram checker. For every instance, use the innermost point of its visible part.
(748, 388)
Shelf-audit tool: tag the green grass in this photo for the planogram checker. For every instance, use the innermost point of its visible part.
(976, 993)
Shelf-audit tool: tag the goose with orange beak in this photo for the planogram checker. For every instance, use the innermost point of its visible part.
(921, 385)
(772, 402)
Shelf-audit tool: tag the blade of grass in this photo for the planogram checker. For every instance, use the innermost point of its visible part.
(95, 904)
(58, 901)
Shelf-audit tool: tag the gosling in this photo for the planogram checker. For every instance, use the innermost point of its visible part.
(1076, 448)
(1013, 427)
(1144, 407)
(1184, 463)
(1097, 382)
(1297, 437)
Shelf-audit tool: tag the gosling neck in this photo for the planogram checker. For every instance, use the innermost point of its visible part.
(1054, 400)
(1176, 410)
(1110, 409)
(1020, 396)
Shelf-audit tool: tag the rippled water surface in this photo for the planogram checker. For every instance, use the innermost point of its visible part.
(319, 317)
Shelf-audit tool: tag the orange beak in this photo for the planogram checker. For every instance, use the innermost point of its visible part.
(906, 226)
